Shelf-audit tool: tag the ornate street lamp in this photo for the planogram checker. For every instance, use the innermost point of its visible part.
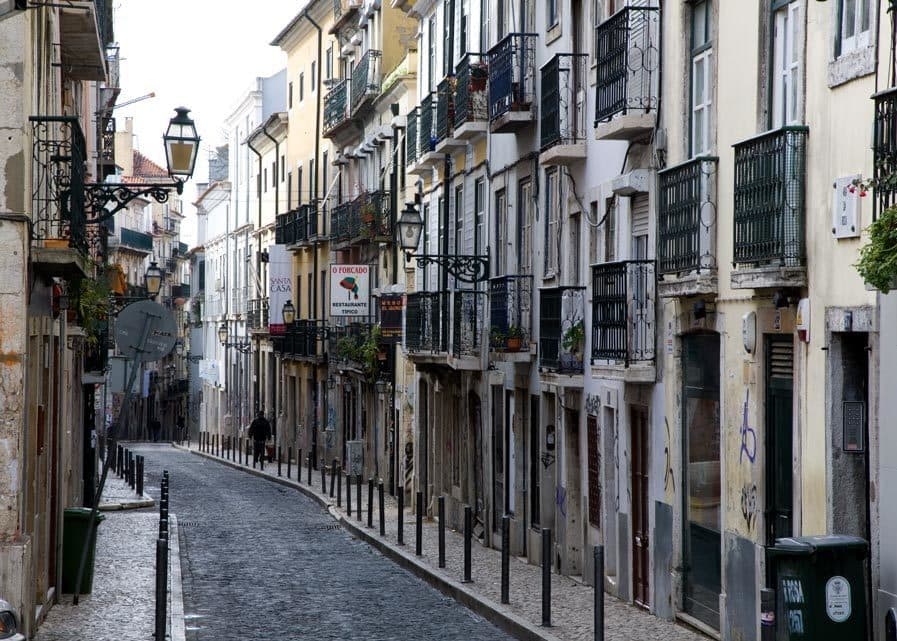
(410, 226)
(181, 146)
(242, 346)
(222, 334)
(289, 313)
(152, 280)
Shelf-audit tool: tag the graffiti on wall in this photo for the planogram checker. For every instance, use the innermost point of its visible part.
(669, 480)
(749, 505)
(748, 434)
(560, 500)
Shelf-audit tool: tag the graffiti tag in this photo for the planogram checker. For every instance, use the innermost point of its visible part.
(748, 435)
(749, 505)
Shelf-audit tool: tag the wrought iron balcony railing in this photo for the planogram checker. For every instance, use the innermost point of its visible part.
(686, 221)
(445, 108)
(512, 74)
(623, 311)
(510, 312)
(628, 60)
(426, 126)
(58, 173)
(257, 314)
(171, 266)
(411, 142)
(136, 240)
(336, 110)
(884, 147)
(426, 322)
(468, 319)
(285, 228)
(365, 219)
(562, 329)
(471, 99)
(302, 339)
(563, 104)
(366, 79)
(180, 291)
(770, 183)
(305, 223)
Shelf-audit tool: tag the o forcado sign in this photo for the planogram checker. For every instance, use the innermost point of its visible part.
(350, 290)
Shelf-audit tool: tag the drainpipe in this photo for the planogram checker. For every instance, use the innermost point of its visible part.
(314, 197)
(393, 212)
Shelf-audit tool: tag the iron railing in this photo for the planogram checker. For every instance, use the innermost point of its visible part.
(285, 228)
(303, 339)
(628, 62)
(510, 311)
(58, 172)
(411, 142)
(445, 108)
(471, 101)
(257, 314)
(623, 311)
(365, 219)
(563, 104)
(335, 106)
(561, 329)
(884, 147)
(770, 183)
(686, 221)
(468, 318)
(366, 78)
(512, 74)
(426, 326)
(180, 291)
(136, 240)
(305, 223)
(426, 126)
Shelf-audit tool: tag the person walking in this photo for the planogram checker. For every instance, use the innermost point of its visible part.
(259, 432)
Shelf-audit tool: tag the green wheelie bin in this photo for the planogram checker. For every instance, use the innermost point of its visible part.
(75, 523)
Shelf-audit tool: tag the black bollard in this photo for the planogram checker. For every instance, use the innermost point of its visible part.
(249, 453)
(468, 535)
(382, 513)
(370, 503)
(140, 460)
(309, 470)
(400, 532)
(163, 528)
(505, 559)
(332, 474)
(440, 502)
(546, 577)
(419, 524)
(132, 476)
(289, 461)
(358, 498)
(339, 485)
(279, 460)
(323, 478)
(161, 589)
(299, 467)
(599, 592)
(253, 455)
(349, 496)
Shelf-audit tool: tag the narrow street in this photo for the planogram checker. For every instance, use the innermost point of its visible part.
(263, 562)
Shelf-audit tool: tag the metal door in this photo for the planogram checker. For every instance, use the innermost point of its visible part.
(638, 425)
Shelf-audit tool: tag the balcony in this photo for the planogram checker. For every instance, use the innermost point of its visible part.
(624, 319)
(336, 110)
(426, 136)
(285, 228)
(136, 241)
(471, 101)
(411, 140)
(426, 329)
(468, 320)
(343, 13)
(357, 347)
(884, 148)
(628, 62)
(512, 80)
(305, 225)
(363, 220)
(769, 216)
(686, 229)
(445, 117)
(171, 266)
(562, 117)
(83, 36)
(180, 291)
(257, 315)
(366, 80)
(59, 218)
(171, 226)
(562, 329)
(510, 313)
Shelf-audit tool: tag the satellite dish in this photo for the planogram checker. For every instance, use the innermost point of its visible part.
(161, 333)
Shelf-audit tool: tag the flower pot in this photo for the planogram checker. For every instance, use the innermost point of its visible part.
(514, 344)
(56, 243)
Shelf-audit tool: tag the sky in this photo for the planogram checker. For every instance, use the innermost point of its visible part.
(200, 54)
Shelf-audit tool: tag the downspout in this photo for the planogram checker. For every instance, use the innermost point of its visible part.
(314, 197)
(393, 211)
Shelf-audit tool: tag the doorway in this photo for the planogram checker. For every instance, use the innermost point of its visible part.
(779, 437)
(638, 426)
(499, 504)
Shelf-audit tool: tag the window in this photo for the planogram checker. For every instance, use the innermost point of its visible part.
(459, 219)
(301, 87)
(324, 171)
(552, 13)
(500, 19)
(551, 223)
(501, 225)
(314, 75)
(312, 181)
(311, 296)
(855, 22)
(442, 213)
(610, 233)
(328, 63)
(324, 294)
(462, 40)
(701, 78)
(479, 197)
(787, 91)
(283, 166)
(593, 232)
(525, 227)
(299, 186)
(265, 180)
(289, 190)
(431, 66)
(274, 174)
(448, 18)
(290, 95)
(575, 249)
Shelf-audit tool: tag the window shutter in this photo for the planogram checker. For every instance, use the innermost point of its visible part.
(639, 214)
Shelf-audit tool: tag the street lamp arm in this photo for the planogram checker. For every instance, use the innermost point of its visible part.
(99, 195)
(468, 268)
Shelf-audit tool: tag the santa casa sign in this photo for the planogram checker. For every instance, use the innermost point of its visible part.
(350, 290)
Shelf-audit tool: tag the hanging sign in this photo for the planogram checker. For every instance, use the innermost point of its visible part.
(350, 290)
(391, 307)
(280, 286)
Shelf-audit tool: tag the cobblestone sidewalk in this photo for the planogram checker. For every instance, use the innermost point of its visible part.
(572, 601)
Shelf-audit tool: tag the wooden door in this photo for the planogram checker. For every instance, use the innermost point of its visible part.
(638, 422)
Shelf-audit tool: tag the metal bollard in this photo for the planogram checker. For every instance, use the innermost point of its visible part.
(468, 535)
(163, 528)
(132, 477)
(419, 524)
(299, 467)
(339, 486)
(161, 588)
(440, 502)
(252, 454)
(382, 513)
(370, 503)
(546, 577)
(140, 464)
(309, 469)
(333, 469)
(349, 495)
(289, 461)
(599, 592)
(323, 478)
(505, 558)
(279, 460)
(249, 453)
(400, 532)
(358, 498)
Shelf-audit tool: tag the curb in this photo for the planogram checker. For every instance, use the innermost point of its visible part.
(114, 506)
(486, 608)
(177, 629)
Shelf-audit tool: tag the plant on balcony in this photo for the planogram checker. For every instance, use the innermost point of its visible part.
(878, 258)
(514, 338)
(92, 305)
(497, 337)
(479, 74)
(574, 338)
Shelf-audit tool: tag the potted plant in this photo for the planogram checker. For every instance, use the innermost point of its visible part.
(92, 305)
(497, 338)
(574, 338)
(514, 338)
(878, 258)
